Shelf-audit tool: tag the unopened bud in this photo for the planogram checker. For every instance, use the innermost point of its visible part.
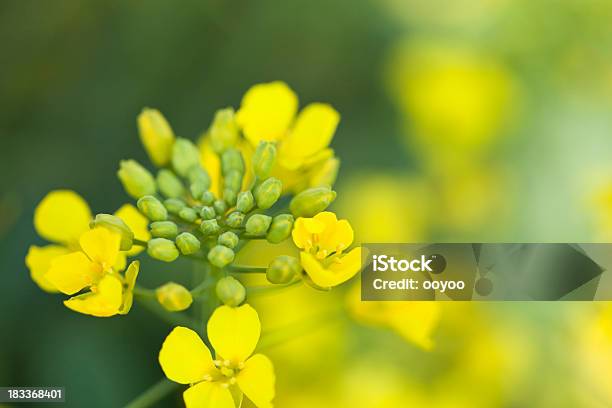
(152, 208)
(229, 196)
(312, 201)
(228, 239)
(187, 243)
(164, 229)
(207, 213)
(268, 192)
(245, 201)
(235, 219)
(223, 132)
(230, 291)
(188, 214)
(169, 185)
(325, 175)
(174, 205)
(283, 269)
(156, 136)
(115, 224)
(185, 156)
(280, 229)
(209, 227)
(258, 224)
(220, 207)
(233, 180)
(173, 297)
(162, 249)
(220, 256)
(263, 159)
(136, 180)
(231, 159)
(208, 198)
(199, 182)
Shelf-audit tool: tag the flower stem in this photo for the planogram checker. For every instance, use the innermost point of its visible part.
(265, 289)
(246, 269)
(139, 243)
(152, 395)
(173, 318)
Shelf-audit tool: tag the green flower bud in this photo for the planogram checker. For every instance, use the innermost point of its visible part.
(245, 202)
(115, 224)
(280, 229)
(163, 229)
(263, 159)
(230, 291)
(220, 207)
(268, 192)
(223, 132)
(173, 297)
(152, 208)
(220, 256)
(188, 214)
(209, 227)
(325, 175)
(136, 180)
(156, 136)
(169, 185)
(283, 269)
(162, 249)
(207, 213)
(228, 239)
(199, 181)
(310, 202)
(174, 205)
(185, 156)
(229, 196)
(233, 180)
(207, 198)
(258, 224)
(187, 243)
(235, 219)
(231, 159)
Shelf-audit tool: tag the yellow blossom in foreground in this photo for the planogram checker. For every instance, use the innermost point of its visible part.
(322, 239)
(220, 383)
(62, 217)
(93, 268)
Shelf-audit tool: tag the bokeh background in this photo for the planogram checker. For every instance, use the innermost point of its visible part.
(464, 120)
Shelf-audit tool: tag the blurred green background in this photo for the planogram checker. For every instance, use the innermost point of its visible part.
(465, 120)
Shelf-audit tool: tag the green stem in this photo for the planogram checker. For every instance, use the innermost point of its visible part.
(139, 243)
(144, 292)
(172, 318)
(246, 269)
(152, 395)
(264, 289)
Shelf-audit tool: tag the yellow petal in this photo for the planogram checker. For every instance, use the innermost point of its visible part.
(62, 216)
(234, 332)
(129, 281)
(211, 162)
(337, 234)
(105, 301)
(137, 222)
(72, 272)
(101, 246)
(208, 395)
(339, 270)
(38, 261)
(184, 358)
(121, 262)
(313, 131)
(257, 380)
(266, 111)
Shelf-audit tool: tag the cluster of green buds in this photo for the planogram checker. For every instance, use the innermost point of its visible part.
(188, 219)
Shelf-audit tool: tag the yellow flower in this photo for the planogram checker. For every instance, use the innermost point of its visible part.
(268, 113)
(62, 217)
(220, 383)
(322, 239)
(93, 268)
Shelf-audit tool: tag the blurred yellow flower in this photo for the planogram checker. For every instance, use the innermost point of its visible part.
(220, 383)
(62, 217)
(454, 98)
(93, 268)
(173, 297)
(322, 239)
(415, 321)
(156, 136)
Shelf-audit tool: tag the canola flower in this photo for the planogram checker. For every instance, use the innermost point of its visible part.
(205, 203)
